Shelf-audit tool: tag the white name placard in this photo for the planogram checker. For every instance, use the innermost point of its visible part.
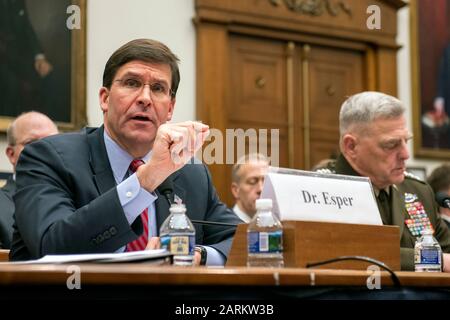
(311, 196)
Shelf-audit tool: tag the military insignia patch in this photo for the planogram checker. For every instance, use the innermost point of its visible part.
(410, 197)
(418, 217)
(325, 171)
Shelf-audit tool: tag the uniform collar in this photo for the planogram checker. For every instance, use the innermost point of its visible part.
(342, 165)
(445, 217)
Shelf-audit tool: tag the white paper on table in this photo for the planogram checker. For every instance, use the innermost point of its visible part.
(101, 257)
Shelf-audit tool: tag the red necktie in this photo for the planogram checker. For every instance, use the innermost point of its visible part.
(141, 242)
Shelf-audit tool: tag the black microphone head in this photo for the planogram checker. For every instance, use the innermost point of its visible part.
(442, 198)
(166, 186)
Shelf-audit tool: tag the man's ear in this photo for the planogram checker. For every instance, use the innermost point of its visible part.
(171, 109)
(10, 154)
(349, 143)
(103, 95)
(235, 190)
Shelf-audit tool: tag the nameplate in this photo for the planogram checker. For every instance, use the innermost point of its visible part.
(311, 196)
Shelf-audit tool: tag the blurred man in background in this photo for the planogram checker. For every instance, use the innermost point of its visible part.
(247, 182)
(439, 180)
(26, 128)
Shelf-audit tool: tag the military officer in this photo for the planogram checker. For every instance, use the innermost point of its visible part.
(373, 143)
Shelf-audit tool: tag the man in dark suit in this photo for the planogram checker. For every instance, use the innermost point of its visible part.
(26, 128)
(76, 192)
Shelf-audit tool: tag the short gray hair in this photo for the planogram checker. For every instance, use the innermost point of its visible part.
(365, 107)
(248, 158)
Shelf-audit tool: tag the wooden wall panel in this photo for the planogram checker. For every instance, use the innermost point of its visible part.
(261, 65)
(212, 72)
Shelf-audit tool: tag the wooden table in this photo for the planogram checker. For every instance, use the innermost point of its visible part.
(115, 289)
(142, 274)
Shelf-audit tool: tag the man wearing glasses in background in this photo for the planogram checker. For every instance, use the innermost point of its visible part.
(96, 191)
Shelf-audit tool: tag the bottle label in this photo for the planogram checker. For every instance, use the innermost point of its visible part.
(265, 242)
(179, 245)
(428, 256)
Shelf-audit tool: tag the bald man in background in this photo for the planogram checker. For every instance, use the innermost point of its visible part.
(26, 128)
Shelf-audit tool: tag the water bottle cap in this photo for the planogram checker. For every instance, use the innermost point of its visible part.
(262, 204)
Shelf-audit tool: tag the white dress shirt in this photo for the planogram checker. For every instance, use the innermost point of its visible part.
(241, 214)
(135, 199)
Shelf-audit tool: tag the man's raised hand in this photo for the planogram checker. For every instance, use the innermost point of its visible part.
(175, 144)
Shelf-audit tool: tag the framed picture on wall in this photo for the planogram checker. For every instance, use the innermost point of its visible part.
(430, 58)
(42, 49)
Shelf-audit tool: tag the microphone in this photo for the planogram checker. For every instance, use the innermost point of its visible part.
(166, 189)
(443, 200)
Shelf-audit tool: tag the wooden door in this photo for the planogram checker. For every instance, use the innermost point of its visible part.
(257, 96)
(274, 64)
(267, 82)
(332, 75)
(258, 93)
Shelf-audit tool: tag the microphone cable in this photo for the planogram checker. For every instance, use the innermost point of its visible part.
(380, 264)
(166, 189)
(212, 223)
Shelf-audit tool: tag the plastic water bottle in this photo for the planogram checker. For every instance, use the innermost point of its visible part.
(265, 237)
(427, 253)
(178, 236)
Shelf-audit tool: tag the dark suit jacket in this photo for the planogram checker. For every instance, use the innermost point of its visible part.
(7, 213)
(66, 200)
(10, 187)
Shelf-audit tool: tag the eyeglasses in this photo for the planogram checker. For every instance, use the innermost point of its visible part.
(158, 91)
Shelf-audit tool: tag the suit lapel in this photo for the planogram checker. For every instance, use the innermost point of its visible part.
(10, 187)
(102, 172)
(398, 208)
